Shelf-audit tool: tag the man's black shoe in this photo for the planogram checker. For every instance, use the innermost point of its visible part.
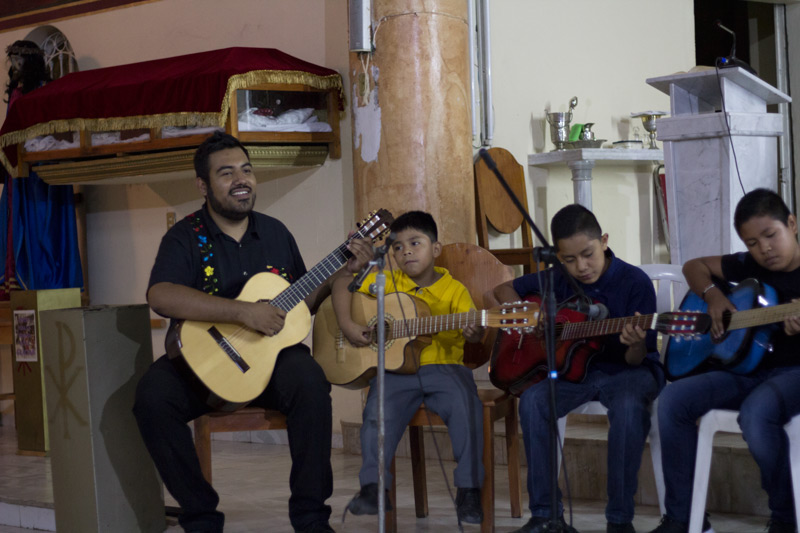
(468, 505)
(366, 500)
(670, 525)
(538, 524)
(318, 527)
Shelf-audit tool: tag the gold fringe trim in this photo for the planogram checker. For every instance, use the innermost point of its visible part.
(257, 77)
(235, 82)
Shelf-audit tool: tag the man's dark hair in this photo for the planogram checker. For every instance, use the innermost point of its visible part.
(757, 203)
(218, 141)
(419, 220)
(574, 219)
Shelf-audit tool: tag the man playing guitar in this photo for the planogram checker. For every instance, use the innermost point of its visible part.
(202, 264)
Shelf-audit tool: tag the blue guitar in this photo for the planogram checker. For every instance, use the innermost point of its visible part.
(747, 332)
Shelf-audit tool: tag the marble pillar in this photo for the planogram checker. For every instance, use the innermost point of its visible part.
(412, 137)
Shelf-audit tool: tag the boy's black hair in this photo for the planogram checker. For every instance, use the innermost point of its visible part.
(757, 203)
(419, 220)
(218, 141)
(574, 219)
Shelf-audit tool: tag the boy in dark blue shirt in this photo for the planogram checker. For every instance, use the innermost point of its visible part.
(626, 377)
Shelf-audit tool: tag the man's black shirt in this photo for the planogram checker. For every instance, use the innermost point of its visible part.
(197, 254)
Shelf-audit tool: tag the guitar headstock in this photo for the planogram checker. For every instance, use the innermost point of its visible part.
(683, 323)
(518, 315)
(375, 226)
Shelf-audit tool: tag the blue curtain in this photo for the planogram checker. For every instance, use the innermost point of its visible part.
(43, 252)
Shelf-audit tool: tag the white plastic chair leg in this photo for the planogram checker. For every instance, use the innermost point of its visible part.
(713, 421)
(655, 456)
(793, 431)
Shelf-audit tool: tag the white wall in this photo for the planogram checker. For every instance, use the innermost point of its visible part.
(544, 52)
(547, 51)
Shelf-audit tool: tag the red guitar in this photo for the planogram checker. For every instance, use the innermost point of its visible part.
(519, 358)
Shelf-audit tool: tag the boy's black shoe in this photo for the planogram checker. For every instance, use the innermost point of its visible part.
(669, 525)
(620, 528)
(366, 500)
(537, 524)
(468, 505)
(318, 527)
(780, 527)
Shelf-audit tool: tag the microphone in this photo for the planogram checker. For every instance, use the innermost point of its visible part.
(390, 240)
(378, 252)
(593, 311)
(732, 60)
(359, 280)
(733, 34)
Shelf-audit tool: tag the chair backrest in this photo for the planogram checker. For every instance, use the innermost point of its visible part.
(671, 286)
(480, 272)
(492, 202)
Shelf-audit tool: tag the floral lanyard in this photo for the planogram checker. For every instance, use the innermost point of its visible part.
(207, 258)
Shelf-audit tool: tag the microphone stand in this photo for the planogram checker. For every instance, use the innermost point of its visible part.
(378, 261)
(545, 254)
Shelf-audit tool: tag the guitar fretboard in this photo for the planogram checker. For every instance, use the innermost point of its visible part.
(335, 260)
(436, 323)
(580, 330)
(764, 315)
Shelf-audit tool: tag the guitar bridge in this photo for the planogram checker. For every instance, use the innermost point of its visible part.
(228, 348)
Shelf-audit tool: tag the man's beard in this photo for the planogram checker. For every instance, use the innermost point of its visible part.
(230, 214)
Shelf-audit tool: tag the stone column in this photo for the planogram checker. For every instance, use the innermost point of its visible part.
(410, 104)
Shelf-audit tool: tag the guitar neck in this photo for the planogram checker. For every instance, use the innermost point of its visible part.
(436, 323)
(299, 290)
(763, 315)
(581, 330)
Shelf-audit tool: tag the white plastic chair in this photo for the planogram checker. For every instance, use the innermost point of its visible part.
(670, 290)
(793, 431)
(726, 420)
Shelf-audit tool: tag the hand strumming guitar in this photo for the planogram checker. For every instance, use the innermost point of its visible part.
(263, 317)
(355, 333)
(718, 303)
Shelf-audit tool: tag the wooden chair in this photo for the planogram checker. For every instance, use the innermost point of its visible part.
(245, 419)
(480, 272)
(494, 208)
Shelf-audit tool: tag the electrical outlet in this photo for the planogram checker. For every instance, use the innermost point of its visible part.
(170, 219)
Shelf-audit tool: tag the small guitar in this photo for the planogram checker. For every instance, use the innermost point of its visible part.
(353, 367)
(519, 359)
(747, 332)
(229, 364)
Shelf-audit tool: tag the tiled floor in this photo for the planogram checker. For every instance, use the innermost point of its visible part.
(253, 483)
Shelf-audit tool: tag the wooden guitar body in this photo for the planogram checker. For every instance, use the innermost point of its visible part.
(741, 349)
(229, 385)
(353, 367)
(519, 359)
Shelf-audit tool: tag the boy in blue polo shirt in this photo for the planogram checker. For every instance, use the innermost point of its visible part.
(625, 377)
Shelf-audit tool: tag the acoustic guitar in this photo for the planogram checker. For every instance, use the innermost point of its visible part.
(229, 365)
(353, 367)
(747, 332)
(519, 359)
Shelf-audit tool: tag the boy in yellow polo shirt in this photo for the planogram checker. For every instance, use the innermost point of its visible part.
(442, 382)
